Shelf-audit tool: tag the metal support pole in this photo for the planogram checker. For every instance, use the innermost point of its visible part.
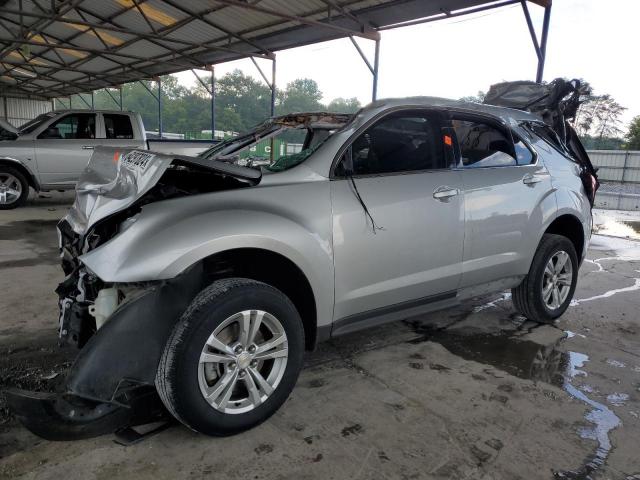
(121, 98)
(213, 103)
(159, 107)
(543, 43)
(273, 86)
(376, 62)
(93, 100)
(532, 31)
(273, 104)
(89, 105)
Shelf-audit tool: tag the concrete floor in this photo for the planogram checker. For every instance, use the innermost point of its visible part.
(475, 392)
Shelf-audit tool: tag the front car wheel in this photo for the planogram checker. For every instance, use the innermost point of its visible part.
(233, 358)
(14, 188)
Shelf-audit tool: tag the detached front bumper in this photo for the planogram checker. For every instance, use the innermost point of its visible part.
(55, 416)
(111, 383)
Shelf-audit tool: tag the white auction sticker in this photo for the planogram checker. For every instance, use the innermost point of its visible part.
(137, 160)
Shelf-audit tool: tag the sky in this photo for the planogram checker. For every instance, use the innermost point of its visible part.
(591, 39)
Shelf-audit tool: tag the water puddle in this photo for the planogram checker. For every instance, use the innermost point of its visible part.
(545, 363)
(617, 224)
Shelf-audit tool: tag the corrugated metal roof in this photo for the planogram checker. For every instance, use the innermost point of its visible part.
(84, 45)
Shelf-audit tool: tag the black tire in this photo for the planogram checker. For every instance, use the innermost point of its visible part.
(527, 297)
(177, 378)
(23, 183)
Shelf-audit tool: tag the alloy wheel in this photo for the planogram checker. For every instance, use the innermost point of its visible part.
(557, 280)
(10, 189)
(243, 361)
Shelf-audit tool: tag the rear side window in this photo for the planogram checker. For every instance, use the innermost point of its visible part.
(482, 145)
(524, 155)
(71, 127)
(117, 126)
(397, 143)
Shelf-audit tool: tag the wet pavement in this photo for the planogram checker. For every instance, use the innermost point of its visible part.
(475, 392)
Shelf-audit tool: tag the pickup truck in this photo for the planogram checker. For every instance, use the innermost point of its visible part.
(51, 151)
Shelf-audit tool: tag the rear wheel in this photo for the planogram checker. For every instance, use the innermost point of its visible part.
(548, 288)
(233, 358)
(14, 188)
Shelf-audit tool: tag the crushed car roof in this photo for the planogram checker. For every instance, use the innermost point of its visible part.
(506, 114)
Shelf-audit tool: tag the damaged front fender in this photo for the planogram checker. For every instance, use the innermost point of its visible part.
(125, 352)
(111, 382)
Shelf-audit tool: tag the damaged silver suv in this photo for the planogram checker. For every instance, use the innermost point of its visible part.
(202, 282)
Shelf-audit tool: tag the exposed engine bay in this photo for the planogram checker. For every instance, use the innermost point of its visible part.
(85, 301)
(117, 184)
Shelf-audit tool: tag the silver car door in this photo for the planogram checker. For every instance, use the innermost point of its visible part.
(407, 249)
(63, 149)
(508, 198)
(119, 130)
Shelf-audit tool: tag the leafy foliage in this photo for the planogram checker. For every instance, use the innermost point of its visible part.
(598, 117)
(241, 102)
(478, 98)
(633, 135)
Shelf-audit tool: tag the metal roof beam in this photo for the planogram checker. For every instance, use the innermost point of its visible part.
(370, 34)
(447, 14)
(202, 18)
(343, 11)
(136, 34)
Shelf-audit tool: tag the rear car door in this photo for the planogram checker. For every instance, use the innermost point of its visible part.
(508, 197)
(63, 149)
(397, 219)
(119, 130)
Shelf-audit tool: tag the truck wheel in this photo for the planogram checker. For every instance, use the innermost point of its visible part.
(14, 188)
(547, 290)
(233, 358)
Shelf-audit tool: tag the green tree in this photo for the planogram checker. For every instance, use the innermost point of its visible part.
(633, 135)
(344, 105)
(241, 102)
(301, 95)
(242, 94)
(478, 98)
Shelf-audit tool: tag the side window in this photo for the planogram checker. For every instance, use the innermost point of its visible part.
(524, 156)
(397, 143)
(482, 145)
(117, 126)
(71, 127)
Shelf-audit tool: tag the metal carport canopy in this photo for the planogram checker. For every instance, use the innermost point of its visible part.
(58, 48)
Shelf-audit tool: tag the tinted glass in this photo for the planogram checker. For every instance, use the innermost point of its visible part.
(398, 143)
(523, 154)
(117, 126)
(547, 134)
(75, 126)
(482, 145)
(32, 125)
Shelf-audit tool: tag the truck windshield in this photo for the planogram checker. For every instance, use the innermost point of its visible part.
(279, 143)
(32, 125)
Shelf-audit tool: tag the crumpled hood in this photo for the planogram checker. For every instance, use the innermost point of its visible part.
(115, 178)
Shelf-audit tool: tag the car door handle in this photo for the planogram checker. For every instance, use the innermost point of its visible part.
(530, 179)
(443, 193)
(87, 147)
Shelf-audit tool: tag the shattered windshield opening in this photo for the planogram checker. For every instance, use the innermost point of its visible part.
(280, 143)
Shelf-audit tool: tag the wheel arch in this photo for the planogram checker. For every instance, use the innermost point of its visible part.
(15, 164)
(274, 269)
(571, 227)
